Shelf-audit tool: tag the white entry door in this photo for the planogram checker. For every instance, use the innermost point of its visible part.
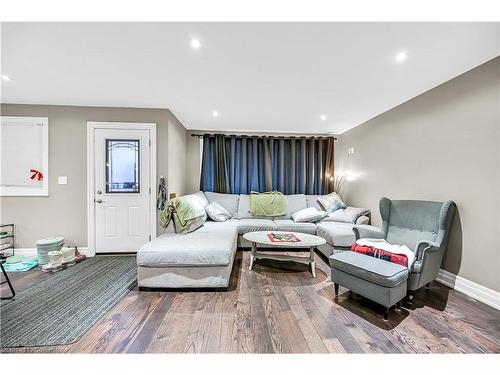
(122, 189)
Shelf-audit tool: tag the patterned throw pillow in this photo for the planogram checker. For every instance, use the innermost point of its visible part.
(347, 215)
(217, 213)
(309, 215)
(331, 202)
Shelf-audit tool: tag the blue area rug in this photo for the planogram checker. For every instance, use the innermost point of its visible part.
(60, 309)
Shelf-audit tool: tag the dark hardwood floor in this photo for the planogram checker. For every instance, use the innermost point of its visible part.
(280, 308)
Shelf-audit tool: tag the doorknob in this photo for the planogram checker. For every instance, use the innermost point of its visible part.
(98, 200)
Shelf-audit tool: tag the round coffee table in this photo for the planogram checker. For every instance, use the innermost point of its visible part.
(305, 241)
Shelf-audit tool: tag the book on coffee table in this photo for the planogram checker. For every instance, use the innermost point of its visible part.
(283, 237)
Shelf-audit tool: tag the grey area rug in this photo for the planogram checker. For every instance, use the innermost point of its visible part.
(60, 309)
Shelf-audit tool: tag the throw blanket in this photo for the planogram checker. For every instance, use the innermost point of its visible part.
(184, 210)
(272, 203)
(377, 248)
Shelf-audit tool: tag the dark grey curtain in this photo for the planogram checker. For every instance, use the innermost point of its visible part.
(241, 164)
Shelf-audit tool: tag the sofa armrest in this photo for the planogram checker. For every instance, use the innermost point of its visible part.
(423, 247)
(367, 231)
(363, 220)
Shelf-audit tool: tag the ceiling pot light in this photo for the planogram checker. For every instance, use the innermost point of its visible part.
(400, 57)
(322, 117)
(5, 78)
(195, 43)
(215, 114)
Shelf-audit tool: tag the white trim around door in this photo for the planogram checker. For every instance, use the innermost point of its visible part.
(91, 127)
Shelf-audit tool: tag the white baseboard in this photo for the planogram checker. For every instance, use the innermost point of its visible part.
(31, 251)
(470, 288)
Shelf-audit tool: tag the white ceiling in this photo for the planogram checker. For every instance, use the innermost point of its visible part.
(276, 77)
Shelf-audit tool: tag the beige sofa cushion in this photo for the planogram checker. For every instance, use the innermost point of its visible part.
(228, 201)
(336, 234)
(255, 225)
(312, 201)
(196, 249)
(288, 225)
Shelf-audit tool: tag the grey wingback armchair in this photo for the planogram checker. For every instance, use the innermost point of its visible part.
(421, 225)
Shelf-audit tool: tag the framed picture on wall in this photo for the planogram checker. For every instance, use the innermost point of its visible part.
(24, 156)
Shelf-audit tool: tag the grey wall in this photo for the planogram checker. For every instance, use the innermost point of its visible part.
(176, 179)
(193, 163)
(64, 211)
(443, 144)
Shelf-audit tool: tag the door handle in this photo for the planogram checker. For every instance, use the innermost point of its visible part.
(98, 200)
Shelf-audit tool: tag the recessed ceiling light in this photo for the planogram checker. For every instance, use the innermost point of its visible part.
(401, 56)
(322, 117)
(5, 78)
(195, 43)
(215, 114)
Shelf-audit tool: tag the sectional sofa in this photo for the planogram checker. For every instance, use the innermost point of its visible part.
(204, 258)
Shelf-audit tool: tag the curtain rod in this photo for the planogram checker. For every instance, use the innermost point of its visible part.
(201, 135)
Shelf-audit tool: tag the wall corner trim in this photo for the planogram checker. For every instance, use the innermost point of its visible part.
(470, 288)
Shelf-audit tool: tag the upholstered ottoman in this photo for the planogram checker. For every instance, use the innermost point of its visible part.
(378, 280)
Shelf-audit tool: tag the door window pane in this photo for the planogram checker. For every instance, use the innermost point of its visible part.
(122, 166)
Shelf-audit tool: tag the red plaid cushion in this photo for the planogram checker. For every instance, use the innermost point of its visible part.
(381, 254)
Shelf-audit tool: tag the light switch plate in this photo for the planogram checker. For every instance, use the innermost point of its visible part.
(62, 180)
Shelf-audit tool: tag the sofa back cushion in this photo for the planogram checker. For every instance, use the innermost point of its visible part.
(312, 201)
(294, 203)
(203, 198)
(244, 207)
(228, 201)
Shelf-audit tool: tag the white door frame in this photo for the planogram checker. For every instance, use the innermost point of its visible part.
(91, 127)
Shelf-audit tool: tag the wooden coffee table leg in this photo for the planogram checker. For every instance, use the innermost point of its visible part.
(311, 260)
(252, 255)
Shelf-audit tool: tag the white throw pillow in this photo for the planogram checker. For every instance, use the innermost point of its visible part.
(217, 213)
(309, 215)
